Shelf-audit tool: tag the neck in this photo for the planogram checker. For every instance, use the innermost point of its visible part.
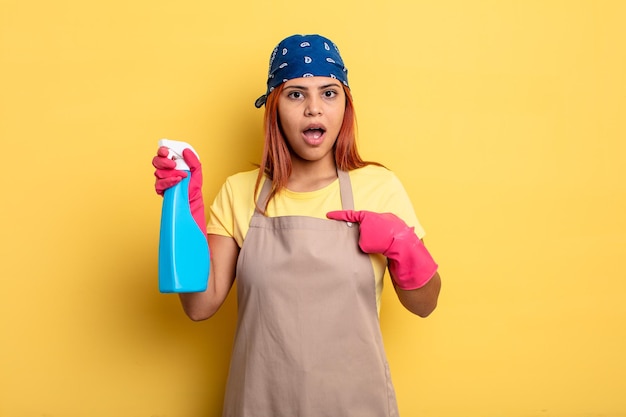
(311, 175)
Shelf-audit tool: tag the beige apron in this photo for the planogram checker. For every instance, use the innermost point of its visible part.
(308, 340)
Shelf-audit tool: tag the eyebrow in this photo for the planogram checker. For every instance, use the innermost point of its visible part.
(321, 87)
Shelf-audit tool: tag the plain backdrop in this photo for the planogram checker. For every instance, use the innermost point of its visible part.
(503, 119)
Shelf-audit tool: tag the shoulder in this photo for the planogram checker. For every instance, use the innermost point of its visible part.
(378, 189)
(241, 184)
(237, 189)
(230, 212)
(244, 179)
(373, 177)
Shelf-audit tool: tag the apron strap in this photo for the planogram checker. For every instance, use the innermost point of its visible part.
(262, 200)
(345, 190)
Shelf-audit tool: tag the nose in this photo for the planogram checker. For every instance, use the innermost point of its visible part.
(313, 106)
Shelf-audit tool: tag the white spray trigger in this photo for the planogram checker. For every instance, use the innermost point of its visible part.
(176, 148)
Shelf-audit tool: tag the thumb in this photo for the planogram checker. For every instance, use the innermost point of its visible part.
(191, 159)
(346, 215)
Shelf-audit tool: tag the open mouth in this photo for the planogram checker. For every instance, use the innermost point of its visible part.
(314, 133)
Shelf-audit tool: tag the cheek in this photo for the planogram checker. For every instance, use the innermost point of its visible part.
(286, 125)
(338, 120)
(284, 116)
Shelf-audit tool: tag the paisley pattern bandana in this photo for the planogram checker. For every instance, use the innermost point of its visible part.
(303, 56)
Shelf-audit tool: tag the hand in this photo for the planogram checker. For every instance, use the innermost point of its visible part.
(410, 264)
(167, 176)
(377, 229)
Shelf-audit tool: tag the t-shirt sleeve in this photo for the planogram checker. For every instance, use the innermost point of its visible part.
(233, 206)
(380, 190)
(221, 213)
(400, 205)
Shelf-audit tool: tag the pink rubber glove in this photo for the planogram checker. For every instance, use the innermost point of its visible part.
(167, 176)
(410, 264)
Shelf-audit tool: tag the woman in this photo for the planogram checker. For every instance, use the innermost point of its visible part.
(308, 236)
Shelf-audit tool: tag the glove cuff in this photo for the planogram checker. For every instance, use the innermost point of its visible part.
(410, 264)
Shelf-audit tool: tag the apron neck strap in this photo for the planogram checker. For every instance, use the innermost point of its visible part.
(265, 192)
(345, 189)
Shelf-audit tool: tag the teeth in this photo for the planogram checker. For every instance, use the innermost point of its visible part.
(315, 133)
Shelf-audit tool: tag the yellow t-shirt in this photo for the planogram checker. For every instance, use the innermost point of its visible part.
(374, 188)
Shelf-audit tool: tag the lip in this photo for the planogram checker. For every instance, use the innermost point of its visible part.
(315, 126)
(309, 139)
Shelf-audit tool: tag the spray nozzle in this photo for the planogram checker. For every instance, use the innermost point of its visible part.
(176, 152)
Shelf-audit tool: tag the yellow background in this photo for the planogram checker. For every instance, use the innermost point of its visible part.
(504, 119)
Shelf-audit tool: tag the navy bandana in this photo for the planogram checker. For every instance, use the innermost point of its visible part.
(303, 56)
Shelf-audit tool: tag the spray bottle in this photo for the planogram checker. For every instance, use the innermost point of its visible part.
(183, 248)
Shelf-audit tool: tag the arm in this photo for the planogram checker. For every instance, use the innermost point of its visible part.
(421, 301)
(223, 249)
(412, 268)
(224, 252)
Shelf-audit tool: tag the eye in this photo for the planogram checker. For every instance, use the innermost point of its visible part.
(330, 93)
(296, 95)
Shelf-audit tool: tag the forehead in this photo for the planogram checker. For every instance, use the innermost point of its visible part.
(312, 82)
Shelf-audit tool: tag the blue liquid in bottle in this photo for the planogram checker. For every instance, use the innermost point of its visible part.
(183, 248)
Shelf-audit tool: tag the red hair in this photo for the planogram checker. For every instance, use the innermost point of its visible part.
(276, 158)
